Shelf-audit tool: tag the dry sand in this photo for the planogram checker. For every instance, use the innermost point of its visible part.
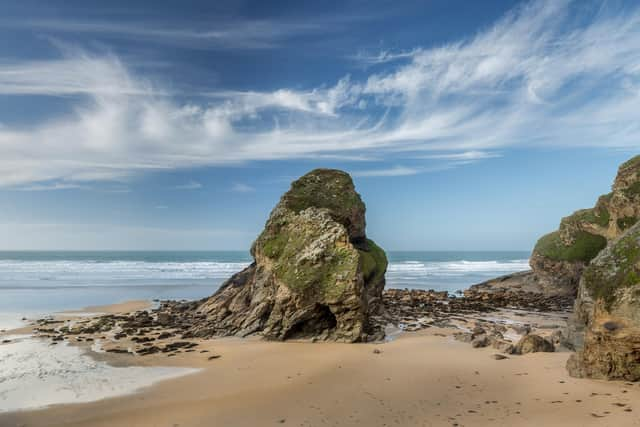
(420, 379)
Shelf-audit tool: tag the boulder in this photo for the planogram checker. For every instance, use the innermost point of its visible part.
(315, 274)
(480, 341)
(605, 327)
(532, 343)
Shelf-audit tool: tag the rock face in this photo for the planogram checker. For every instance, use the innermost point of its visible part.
(605, 328)
(560, 257)
(315, 274)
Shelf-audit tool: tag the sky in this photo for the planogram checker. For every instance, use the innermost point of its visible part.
(177, 125)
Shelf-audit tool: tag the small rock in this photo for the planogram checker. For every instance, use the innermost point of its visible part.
(499, 356)
(480, 341)
(532, 344)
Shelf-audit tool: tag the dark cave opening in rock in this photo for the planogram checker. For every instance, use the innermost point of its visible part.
(322, 319)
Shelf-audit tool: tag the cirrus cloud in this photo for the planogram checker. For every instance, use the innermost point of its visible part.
(548, 73)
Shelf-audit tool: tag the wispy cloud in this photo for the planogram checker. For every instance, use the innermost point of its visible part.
(53, 187)
(78, 73)
(393, 171)
(384, 56)
(549, 73)
(232, 34)
(191, 185)
(465, 156)
(242, 188)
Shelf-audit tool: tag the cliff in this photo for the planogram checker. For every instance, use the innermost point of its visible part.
(605, 328)
(559, 258)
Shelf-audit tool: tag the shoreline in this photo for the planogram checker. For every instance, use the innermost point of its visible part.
(38, 373)
(418, 378)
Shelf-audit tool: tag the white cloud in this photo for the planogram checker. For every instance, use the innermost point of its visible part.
(77, 74)
(234, 34)
(191, 185)
(394, 171)
(242, 188)
(543, 75)
(53, 187)
(384, 56)
(465, 156)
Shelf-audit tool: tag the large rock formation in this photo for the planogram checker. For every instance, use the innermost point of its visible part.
(315, 274)
(605, 328)
(560, 257)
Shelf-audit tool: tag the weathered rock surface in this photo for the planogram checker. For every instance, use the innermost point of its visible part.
(533, 344)
(605, 328)
(560, 257)
(315, 275)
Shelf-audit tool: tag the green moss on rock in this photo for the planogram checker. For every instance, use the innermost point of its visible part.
(626, 222)
(274, 245)
(634, 162)
(373, 262)
(615, 268)
(310, 253)
(333, 190)
(633, 190)
(584, 248)
(598, 216)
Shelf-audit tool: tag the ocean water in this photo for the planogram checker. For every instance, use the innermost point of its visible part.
(34, 283)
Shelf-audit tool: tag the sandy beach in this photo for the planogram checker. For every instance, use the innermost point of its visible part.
(423, 378)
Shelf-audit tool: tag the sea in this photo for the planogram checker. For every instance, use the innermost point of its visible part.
(37, 282)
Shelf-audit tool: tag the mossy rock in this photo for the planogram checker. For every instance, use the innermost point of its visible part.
(333, 190)
(310, 252)
(315, 274)
(632, 163)
(626, 222)
(584, 248)
(633, 190)
(615, 268)
(598, 216)
(373, 262)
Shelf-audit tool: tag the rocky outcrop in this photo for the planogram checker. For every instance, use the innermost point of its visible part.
(315, 274)
(605, 328)
(522, 282)
(559, 258)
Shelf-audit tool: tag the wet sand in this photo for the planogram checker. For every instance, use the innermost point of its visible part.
(123, 307)
(422, 378)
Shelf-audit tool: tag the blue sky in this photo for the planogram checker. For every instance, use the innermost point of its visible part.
(177, 125)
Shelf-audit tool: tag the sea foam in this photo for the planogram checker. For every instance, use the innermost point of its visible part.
(36, 374)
